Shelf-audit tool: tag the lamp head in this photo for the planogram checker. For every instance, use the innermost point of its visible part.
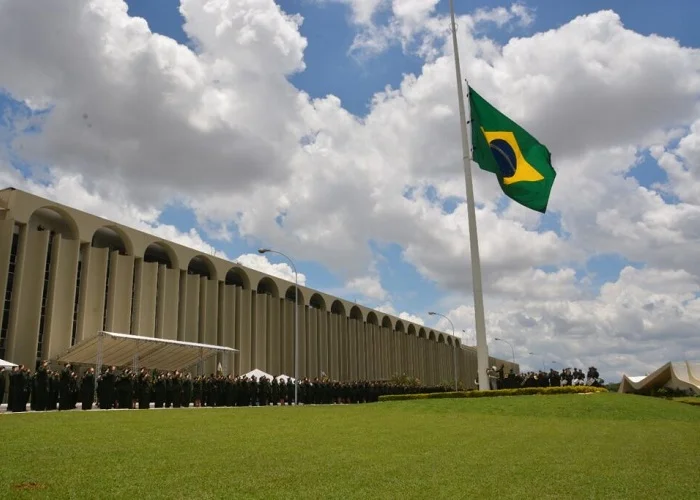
(263, 250)
(431, 313)
(497, 338)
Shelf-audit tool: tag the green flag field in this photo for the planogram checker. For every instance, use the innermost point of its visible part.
(571, 446)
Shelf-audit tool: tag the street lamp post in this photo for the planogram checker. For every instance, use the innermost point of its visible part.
(454, 345)
(512, 351)
(296, 321)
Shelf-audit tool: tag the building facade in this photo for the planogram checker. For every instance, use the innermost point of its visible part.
(66, 275)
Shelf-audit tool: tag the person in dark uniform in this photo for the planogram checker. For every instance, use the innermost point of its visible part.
(42, 386)
(64, 388)
(144, 389)
(87, 389)
(290, 391)
(187, 390)
(159, 391)
(177, 389)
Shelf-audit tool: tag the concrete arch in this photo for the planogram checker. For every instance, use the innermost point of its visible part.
(386, 322)
(372, 318)
(356, 313)
(268, 286)
(54, 219)
(421, 333)
(237, 277)
(203, 266)
(162, 253)
(337, 307)
(114, 238)
(399, 327)
(449, 341)
(458, 343)
(317, 302)
(441, 339)
(431, 335)
(289, 295)
(411, 329)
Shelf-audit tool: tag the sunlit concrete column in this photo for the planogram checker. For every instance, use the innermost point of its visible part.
(355, 349)
(93, 281)
(288, 337)
(312, 343)
(343, 359)
(188, 321)
(168, 304)
(226, 333)
(58, 323)
(245, 325)
(6, 233)
(274, 337)
(260, 332)
(25, 312)
(145, 296)
(120, 292)
(323, 333)
(303, 312)
(208, 318)
(333, 368)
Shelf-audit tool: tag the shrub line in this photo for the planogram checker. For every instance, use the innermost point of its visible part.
(524, 391)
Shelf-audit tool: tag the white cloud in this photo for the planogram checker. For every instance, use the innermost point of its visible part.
(368, 287)
(261, 263)
(138, 121)
(388, 308)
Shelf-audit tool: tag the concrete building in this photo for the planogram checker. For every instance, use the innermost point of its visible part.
(67, 274)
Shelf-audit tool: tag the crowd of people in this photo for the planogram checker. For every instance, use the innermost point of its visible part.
(552, 378)
(63, 389)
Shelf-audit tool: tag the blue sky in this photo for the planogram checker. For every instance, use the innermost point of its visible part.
(330, 69)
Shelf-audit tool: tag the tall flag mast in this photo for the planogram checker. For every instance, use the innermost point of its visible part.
(524, 170)
(482, 350)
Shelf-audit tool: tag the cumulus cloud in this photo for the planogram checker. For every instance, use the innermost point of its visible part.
(262, 263)
(131, 121)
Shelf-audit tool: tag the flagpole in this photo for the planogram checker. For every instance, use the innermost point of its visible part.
(482, 352)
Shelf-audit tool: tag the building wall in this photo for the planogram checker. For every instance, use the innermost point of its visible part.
(73, 274)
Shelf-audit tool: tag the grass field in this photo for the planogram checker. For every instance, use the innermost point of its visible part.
(608, 446)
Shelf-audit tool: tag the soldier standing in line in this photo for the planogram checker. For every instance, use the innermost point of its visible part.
(290, 391)
(64, 388)
(160, 391)
(87, 389)
(42, 386)
(144, 389)
(177, 389)
(168, 390)
(187, 390)
(275, 391)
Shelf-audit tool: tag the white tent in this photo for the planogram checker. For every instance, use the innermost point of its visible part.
(119, 349)
(6, 364)
(257, 374)
(284, 378)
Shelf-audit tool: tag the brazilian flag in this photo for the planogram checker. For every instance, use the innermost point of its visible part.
(523, 165)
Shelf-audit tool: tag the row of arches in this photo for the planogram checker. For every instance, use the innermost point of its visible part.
(58, 220)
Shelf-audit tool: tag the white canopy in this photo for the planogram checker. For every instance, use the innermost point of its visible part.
(284, 378)
(121, 349)
(6, 364)
(257, 374)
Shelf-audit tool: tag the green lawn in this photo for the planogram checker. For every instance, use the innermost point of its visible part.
(608, 446)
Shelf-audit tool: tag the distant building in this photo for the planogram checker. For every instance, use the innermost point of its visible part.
(67, 274)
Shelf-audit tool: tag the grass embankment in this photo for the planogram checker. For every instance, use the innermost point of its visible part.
(569, 446)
